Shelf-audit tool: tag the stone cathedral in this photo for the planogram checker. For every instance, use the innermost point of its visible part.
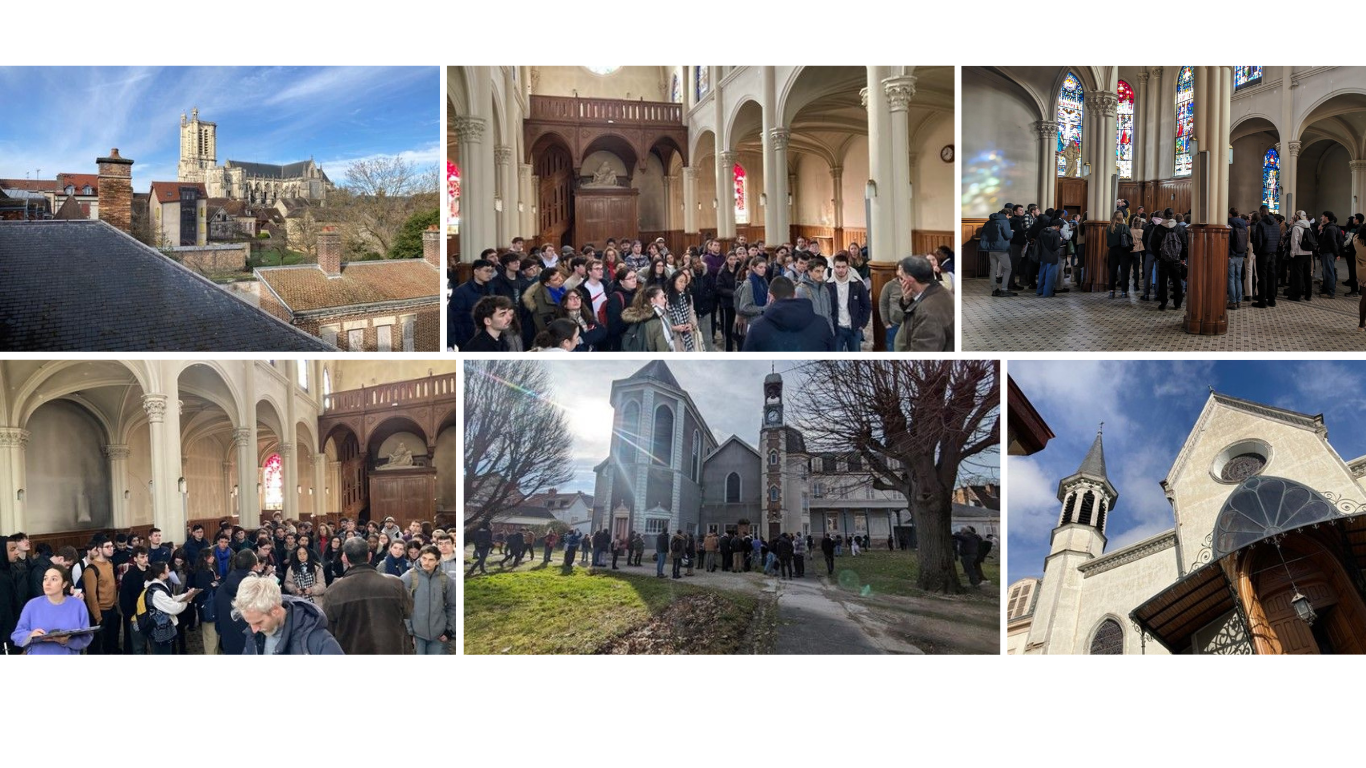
(253, 183)
(1265, 555)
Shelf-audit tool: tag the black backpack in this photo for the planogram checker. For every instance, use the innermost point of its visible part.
(1237, 243)
(1309, 241)
(635, 339)
(1170, 249)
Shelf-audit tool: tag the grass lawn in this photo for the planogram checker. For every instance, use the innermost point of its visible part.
(892, 573)
(544, 610)
(275, 257)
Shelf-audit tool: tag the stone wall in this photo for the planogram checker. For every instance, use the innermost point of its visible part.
(426, 327)
(212, 259)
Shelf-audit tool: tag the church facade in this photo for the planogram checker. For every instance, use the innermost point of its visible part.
(666, 472)
(1264, 557)
(254, 183)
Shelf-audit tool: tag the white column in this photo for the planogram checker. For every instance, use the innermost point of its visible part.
(690, 201)
(319, 484)
(837, 184)
(13, 441)
(777, 224)
(1103, 106)
(1158, 97)
(914, 159)
(900, 90)
(1358, 187)
(1290, 167)
(332, 489)
(506, 196)
(289, 453)
(248, 500)
(725, 194)
(1047, 131)
(225, 501)
(881, 224)
(526, 200)
(1140, 132)
(1226, 141)
(118, 484)
(163, 416)
(1205, 130)
(476, 185)
(670, 202)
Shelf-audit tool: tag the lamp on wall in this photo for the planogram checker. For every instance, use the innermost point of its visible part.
(1230, 154)
(127, 494)
(298, 489)
(20, 494)
(1085, 169)
(498, 204)
(713, 203)
(234, 490)
(763, 199)
(869, 191)
(180, 484)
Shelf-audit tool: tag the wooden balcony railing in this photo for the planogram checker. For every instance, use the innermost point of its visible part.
(577, 110)
(414, 392)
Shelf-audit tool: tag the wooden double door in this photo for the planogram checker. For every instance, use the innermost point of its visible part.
(1308, 563)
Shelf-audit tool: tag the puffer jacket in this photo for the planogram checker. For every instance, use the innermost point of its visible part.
(1236, 223)
(996, 234)
(818, 296)
(434, 604)
(305, 633)
(656, 339)
(1265, 236)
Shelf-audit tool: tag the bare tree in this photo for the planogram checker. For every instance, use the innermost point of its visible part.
(914, 423)
(516, 443)
(382, 193)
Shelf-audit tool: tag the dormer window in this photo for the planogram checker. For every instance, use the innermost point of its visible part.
(86, 190)
(70, 189)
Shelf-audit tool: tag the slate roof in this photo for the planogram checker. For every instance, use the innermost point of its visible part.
(306, 287)
(86, 286)
(656, 370)
(71, 210)
(270, 171)
(232, 207)
(31, 185)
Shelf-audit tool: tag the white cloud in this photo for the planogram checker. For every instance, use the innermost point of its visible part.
(1032, 500)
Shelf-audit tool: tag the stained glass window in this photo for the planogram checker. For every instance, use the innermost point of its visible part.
(1271, 180)
(1124, 132)
(1246, 76)
(453, 196)
(1109, 639)
(1185, 120)
(1070, 108)
(676, 90)
(273, 478)
(703, 81)
(741, 210)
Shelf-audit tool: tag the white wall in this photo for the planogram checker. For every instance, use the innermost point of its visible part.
(855, 179)
(650, 83)
(1245, 176)
(68, 483)
(815, 190)
(933, 194)
(999, 157)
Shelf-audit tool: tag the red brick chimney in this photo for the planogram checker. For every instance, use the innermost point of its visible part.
(329, 251)
(116, 190)
(431, 246)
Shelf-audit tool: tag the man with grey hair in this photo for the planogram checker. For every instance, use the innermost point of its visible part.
(366, 610)
(928, 306)
(279, 625)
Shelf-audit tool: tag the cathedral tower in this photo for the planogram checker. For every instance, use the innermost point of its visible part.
(198, 147)
(1087, 497)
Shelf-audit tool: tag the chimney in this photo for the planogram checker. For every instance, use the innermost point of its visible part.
(116, 190)
(329, 251)
(431, 246)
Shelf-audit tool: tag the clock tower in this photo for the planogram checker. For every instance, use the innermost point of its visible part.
(773, 438)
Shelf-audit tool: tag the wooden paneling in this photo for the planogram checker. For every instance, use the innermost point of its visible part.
(925, 241)
(1157, 194)
(1095, 259)
(453, 248)
(752, 233)
(1207, 280)
(971, 263)
(603, 213)
(673, 239)
(1071, 194)
(1131, 191)
(849, 235)
(823, 235)
(404, 494)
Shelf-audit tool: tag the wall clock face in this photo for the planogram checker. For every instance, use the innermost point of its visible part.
(946, 154)
(772, 417)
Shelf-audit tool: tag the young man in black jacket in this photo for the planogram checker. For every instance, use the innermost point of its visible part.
(493, 317)
(1330, 245)
(1168, 267)
(130, 588)
(1266, 239)
(1019, 240)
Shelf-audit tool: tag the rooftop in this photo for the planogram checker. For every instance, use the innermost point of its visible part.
(306, 287)
(169, 191)
(86, 286)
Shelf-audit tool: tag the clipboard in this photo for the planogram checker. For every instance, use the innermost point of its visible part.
(61, 633)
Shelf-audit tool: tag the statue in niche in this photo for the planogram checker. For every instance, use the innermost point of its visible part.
(605, 176)
(1072, 155)
(401, 457)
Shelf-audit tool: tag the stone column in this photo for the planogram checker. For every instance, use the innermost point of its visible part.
(225, 502)
(506, 195)
(163, 416)
(1101, 108)
(319, 485)
(476, 186)
(913, 224)
(1158, 98)
(13, 441)
(1290, 167)
(882, 222)
(332, 487)
(670, 203)
(526, 199)
(777, 225)
(1358, 186)
(690, 201)
(900, 90)
(1047, 131)
(248, 500)
(1207, 266)
(118, 483)
(725, 195)
(837, 185)
(1140, 132)
(289, 454)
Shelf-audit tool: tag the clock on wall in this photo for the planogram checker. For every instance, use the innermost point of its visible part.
(946, 154)
(774, 416)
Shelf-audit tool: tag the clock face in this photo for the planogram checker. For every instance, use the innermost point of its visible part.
(772, 417)
(946, 154)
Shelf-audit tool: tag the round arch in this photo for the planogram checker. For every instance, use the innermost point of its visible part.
(1307, 118)
(1007, 77)
(746, 114)
(270, 416)
(458, 89)
(618, 145)
(696, 147)
(21, 405)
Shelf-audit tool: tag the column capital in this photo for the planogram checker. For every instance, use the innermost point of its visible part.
(241, 437)
(727, 158)
(1293, 149)
(1142, 78)
(837, 171)
(1104, 102)
(502, 155)
(863, 97)
(155, 406)
(286, 450)
(117, 452)
(900, 91)
(227, 466)
(13, 437)
(690, 174)
(1357, 165)
(468, 129)
(779, 137)
(1046, 129)
(1156, 72)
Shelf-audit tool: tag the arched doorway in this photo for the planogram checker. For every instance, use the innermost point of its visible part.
(1305, 564)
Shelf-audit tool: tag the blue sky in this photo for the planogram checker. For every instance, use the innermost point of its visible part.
(59, 119)
(1149, 408)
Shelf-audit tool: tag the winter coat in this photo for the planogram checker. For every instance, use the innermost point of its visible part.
(1359, 249)
(828, 545)
(434, 604)
(483, 342)
(928, 325)
(1018, 228)
(618, 301)
(1115, 238)
(656, 339)
(889, 303)
(539, 306)
(1330, 241)
(230, 631)
(715, 264)
(996, 234)
(789, 325)
(1164, 230)
(1236, 223)
(819, 297)
(1296, 236)
(319, 580)
(304, 633)
(1136, 234)
(860, 308)
(662, 543)
(703, 289)
(1050, 246)
(1265, 236)
(725, 288)
(460, 313)
(366, 612)
(744, 300)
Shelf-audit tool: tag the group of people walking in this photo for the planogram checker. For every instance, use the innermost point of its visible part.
(638, 297)
(287, 589)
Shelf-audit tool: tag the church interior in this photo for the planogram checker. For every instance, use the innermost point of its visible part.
(573, 155)
(112, 446)
(1196, 139)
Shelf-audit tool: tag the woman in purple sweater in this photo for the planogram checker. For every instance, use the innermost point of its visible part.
(55, 611)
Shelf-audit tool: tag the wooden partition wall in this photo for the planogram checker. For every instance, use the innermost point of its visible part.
(971, 262)
(1157, 194)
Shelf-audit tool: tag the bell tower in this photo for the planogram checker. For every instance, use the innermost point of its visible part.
(773, 439)
(1087, 497)
(773, 401)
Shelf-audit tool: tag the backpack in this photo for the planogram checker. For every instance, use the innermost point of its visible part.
(1170, 251)
(1309, 241)
(635, 339)
(1238, 242)
(151, 621)
(208, 609)
(441, 578)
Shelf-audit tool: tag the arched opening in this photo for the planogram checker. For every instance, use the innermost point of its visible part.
(1070, 115)
(208, 416)
(67, 475)
(663, 436)
(1185, 120)
(1308, 564)
(1124, 131)
(552, 164)
(1271, 180)
(733, 488)
(1108, 639)
(1088, 505)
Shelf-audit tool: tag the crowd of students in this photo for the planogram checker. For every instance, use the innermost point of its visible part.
(638, 297)
(286, 588)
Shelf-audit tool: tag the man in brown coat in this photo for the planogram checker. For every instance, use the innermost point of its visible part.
(366, 610)
(710, 545)
(928, 322)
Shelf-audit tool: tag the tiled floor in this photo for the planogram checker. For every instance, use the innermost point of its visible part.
(1094, 321)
